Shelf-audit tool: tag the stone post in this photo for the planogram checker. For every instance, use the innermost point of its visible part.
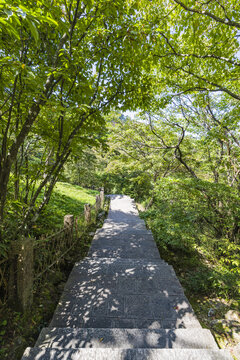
(87, 213)
(102, 197)
(25, 273)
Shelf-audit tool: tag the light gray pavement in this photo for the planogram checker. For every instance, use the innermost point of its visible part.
(124, 298)
(124, 354)
(126, 338)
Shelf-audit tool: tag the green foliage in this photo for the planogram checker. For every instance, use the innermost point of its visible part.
(66, 199)
(194, 50)
(127, 181)
(219, 282)
(183, 222)
(66, 65)
(63, 65)
(182, 163)
(86, 169)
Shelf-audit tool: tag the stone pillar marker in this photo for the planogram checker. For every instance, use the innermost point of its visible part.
(102, 197)
(25, 273)
(87, 213)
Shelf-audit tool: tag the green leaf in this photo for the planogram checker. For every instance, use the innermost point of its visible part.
(11, 30)
(51, 20)
(33, 30)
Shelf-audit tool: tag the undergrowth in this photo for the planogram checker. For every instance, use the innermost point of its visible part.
(20, 330)
(209, 282)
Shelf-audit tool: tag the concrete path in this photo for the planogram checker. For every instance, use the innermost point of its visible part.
(124, 302)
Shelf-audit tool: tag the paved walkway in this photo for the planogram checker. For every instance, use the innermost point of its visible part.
(124, 302)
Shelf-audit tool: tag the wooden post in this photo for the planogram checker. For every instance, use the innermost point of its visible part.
(77, 226)
(98, 204)
(102, 197)
(87, 213)
(68, 222)
(25, 274)
(69, 225)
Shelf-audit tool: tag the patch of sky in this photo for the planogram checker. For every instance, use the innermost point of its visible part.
(131, 114)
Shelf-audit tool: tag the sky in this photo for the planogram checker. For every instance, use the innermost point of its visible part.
(131, 114)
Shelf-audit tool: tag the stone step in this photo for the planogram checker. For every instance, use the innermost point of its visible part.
(107, 292)
(124, 245)
(124, 302)
(123, 285)
(116, 292)
(122, 226)
(136, 263)
(129, 261)
(124, 220)
(127, 231)
(66, 319)
(132, 251)
(105, 263)
(115, 279)
(102, 304)
(125, 354)
(118, 215)
(129, 244)
(126, 338)
(123, 223)
(107, 237)
(116, 276)
(138, 268)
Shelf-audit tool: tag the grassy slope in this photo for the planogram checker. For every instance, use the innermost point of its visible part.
(66, 199)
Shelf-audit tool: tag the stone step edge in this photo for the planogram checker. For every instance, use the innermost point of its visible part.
(187, 323)
(126, 354)
(114, 231)
(125, 261)
(205, 337)
(148, 261)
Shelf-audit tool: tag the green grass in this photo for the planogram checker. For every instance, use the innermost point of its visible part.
(66, 199)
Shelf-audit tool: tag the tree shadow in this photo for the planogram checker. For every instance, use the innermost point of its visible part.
(114, 300)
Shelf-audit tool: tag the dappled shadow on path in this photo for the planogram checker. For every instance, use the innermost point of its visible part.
(123, 297)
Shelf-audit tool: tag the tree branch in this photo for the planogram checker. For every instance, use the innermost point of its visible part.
(227, 21)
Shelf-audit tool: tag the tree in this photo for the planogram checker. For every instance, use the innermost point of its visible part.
(63, 65)
(195, 46)
(194, 140)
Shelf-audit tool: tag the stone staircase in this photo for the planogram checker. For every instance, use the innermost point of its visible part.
(124, 302)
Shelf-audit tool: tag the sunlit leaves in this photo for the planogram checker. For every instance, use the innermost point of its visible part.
(193, 51)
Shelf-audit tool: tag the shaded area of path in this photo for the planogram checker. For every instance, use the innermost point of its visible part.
(124, 302)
